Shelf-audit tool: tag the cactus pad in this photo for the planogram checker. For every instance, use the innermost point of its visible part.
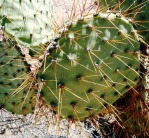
(136, 10)
(16, 93)
(142, 20)
(91, 65)
(29, 21)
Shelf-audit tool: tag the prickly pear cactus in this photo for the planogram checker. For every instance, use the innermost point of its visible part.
(17, 93)
(28, 21)
(89, 66)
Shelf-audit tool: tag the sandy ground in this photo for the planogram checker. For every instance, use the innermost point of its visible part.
(65, 9)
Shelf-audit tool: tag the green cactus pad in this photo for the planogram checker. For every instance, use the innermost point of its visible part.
(94, 62)
(16, 93)
(142, 20)
(120, 5)
(29, 21)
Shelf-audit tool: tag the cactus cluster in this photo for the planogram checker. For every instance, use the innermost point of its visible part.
(86, 66)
